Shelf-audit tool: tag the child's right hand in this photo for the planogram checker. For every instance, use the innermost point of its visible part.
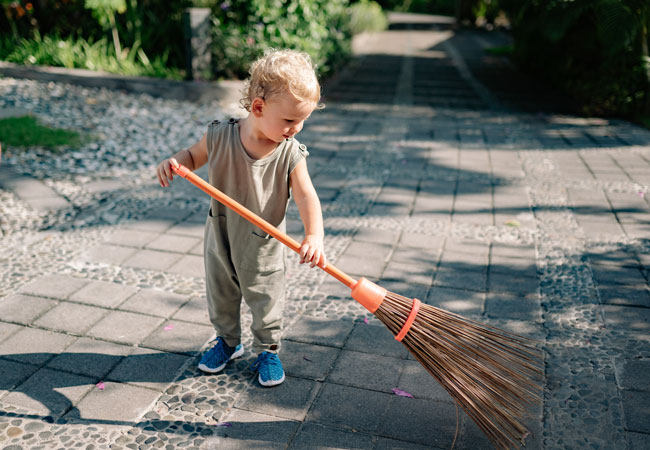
(164, 171)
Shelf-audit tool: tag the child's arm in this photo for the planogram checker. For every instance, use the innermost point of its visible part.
(192, 158)
(312, 248)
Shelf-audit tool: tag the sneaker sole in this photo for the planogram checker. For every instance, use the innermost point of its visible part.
(270, 382)
(204, 368)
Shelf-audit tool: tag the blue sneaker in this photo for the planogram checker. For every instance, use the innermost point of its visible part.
(270, 369)
(215, 359)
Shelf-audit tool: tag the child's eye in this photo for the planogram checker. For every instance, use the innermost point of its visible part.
(289, 120)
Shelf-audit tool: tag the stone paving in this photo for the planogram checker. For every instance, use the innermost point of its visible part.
(437, 180)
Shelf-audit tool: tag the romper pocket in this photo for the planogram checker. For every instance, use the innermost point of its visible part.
(263, 253)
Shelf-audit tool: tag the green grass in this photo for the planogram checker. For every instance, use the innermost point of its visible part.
(25, 131)
(500, 51)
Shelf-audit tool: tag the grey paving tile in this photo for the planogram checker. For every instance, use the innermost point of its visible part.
(313, 330)
(172, 243)
(195, 229)
(638, 441)
(151, 260)
(428, 422)
(34, 346)
(125, 327)
(7, 329)
(152, 224)
(366, 371)
(501, 305)
(179, 337)
(290, 399)
(406, 288)
(613, 294)
(376, 340)
(633, 374)
(252, 430)
(13, 373)
(49, 392)
(104, 294)
(415, 380)
(116, 402)
(608, 274)
(312, 435)
(420, 241)
(107, 254)
(195, 310)
(349, 408)
(190, 266)
(148, 368)
(90, 357)
(70, 318)
(377, 236)
(131, 238)
(628, 319)
(154, 302)
(461, 278)
(197, 249)
(457, 300)
(636, 410)
(24, 309)
(306, 360)
(515, 285)
(53, 286)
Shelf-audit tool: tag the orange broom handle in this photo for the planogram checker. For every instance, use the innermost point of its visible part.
(256, 220)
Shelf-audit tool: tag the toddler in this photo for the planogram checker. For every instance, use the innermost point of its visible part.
(258, 162)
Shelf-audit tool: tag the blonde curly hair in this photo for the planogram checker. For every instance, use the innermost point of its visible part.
(282, 71)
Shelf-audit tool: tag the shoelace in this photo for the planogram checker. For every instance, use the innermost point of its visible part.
(269, 358)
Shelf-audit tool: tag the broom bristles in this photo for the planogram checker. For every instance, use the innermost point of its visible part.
(489, 372)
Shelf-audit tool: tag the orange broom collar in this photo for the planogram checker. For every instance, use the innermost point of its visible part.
(409, 320)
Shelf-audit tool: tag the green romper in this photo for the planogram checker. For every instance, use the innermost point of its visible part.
(240, 259)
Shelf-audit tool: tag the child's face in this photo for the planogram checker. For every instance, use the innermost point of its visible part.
(283, 116)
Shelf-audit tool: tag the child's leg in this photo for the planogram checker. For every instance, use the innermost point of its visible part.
(222, 289)
(264, 293)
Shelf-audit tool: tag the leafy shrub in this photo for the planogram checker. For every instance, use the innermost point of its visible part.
(420, 6)
(366, 15)
(155, 26)
(243, 29)
(593, 49)
(82, 54)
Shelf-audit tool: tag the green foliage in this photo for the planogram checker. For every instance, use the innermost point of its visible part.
(152, 27)
(592, 49)
(506, 50)
(243, 29)
(81, 54)
(420, 6)
(366, 16)
(27, 132)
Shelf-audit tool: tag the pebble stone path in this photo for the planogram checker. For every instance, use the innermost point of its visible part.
(443, 175)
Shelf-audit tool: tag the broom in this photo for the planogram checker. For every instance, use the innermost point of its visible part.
(489, 372)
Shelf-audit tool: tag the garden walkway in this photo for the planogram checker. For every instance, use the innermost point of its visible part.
(444, 174)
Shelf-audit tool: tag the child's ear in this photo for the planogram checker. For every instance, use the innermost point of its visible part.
(257, 106)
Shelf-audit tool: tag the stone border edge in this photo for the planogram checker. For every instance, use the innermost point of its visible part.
(226, 91)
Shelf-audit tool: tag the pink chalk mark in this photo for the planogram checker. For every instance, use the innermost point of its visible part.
(401, 393)
(101, 386)
(365, 320)
(169, 327)
(224, 424)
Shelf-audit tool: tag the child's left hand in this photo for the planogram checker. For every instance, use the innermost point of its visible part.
(312, 251)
